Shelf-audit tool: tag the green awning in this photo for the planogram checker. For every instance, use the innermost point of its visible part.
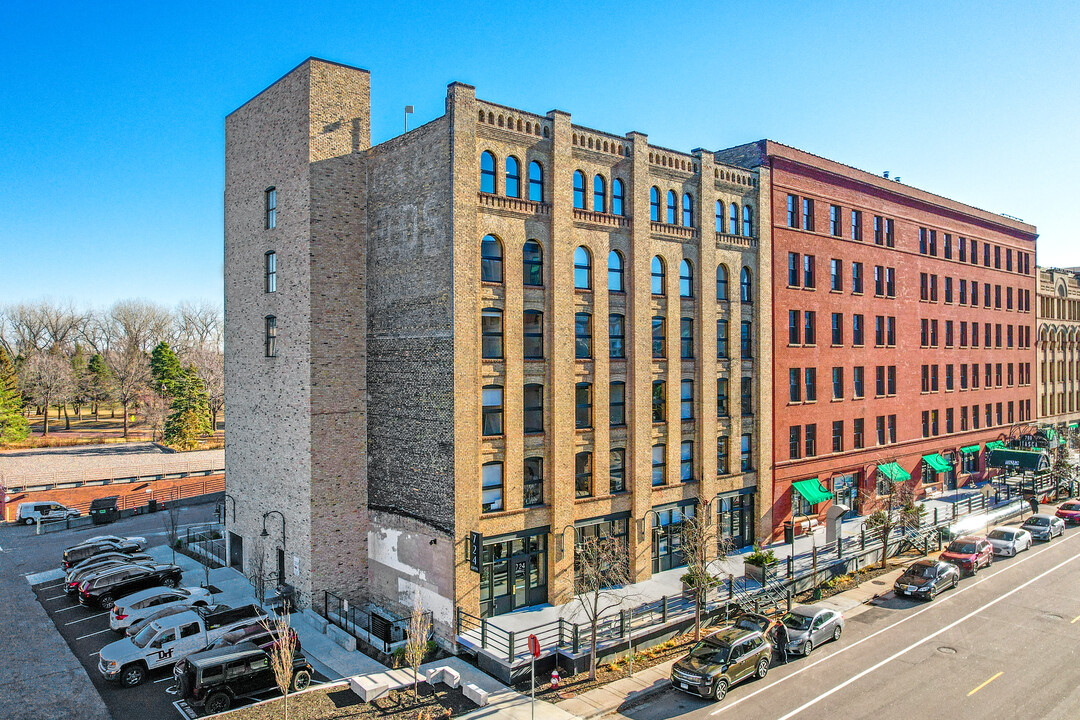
(937, 462)
(812, 491)
(995, 445)
(1073, 426)
(893, 472)
(968, 449)
(1017, 460)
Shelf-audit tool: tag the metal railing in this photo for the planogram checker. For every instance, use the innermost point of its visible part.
(207, 541)
(380, 630)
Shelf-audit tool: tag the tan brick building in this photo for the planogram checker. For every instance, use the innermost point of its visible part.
(498, 322)
(1058, 364)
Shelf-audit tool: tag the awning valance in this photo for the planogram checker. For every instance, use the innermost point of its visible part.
(812, 490)
(893, 472)
(1017, 460)
(937, 462)
(1073, 426)
(969, 449)
(995, 445)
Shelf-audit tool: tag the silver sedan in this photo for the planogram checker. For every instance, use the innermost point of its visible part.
(1009, 540)
(811, 625)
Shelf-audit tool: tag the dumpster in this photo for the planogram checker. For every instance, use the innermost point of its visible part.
(104, 510)
(152, 505)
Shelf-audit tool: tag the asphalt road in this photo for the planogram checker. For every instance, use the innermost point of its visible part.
(40, 677)
(1001, 645)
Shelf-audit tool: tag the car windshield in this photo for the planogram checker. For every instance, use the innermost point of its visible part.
(1000, 535)
(710, 652)
(965, 548)
(145, 636)
(796, 622)
(1070, 506)
(1038, 521)
(922, 571)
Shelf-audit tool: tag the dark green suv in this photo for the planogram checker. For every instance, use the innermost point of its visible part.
(721, 660)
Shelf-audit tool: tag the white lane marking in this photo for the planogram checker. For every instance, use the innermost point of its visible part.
(170, 677)
(88, 617)
(929, 607)
(83, 637)
(54, 597)
(73, 607)
(50, 587)
(917, 643)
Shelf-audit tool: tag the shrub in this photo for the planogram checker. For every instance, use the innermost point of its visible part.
(759, 557)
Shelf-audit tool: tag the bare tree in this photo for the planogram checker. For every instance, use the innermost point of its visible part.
(281, 658)
(601, 565)
(200, 326)
(171, 520)
(209, 363)
(898, 509)
(47, 379)
(130, 369)
(416, 643)
(256, 572)
(698, 546)
(138, 324)
(63, 323)
(28, 330)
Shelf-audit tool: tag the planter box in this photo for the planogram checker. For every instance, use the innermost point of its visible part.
(760, 573)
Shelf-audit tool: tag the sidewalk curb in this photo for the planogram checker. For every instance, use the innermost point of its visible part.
(638, 695)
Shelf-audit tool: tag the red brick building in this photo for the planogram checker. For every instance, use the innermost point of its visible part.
(903, 332)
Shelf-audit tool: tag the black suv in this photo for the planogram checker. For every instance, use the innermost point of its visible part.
(213, 680)
(102, 590)
(722, 660)
(77, 553)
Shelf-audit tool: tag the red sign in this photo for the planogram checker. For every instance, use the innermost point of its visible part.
(534, 646)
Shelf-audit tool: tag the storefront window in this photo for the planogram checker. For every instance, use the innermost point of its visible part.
(735, 520)
(667, 550)
(513, 573)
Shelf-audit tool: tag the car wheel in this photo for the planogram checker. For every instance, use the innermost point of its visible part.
(106, 602)
(974, 569)
(132, 675)
(762, 668)
(169, 582)
(808, 648)
(721, 689)
(217, 703)
(301, 680)
(836, 633)
(933, 592)
(28, 521)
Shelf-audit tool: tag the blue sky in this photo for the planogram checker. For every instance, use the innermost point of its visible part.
(111, 114)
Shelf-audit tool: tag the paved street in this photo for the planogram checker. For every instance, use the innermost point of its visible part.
(41, 676)
(1002, 645)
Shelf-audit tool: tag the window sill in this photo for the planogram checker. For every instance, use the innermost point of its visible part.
(836, 400)
(502, 513)
(834, 291)
(492, 361)
(490, 284)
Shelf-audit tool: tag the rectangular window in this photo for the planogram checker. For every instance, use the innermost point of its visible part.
(924, 293)
(659, 337)
(881, 430)
(794, 385)
(949, 377)
(962, 292)
(997, 261)
(533, 407)
(975, 415)
(722, 467)
(890, 331)
(744, 453)
(856, 278)
(491, 493)
(892, 428)
(879, 230)
(963, 376)
(811, 440)
(947, 245)
(807, 214)
(838, 383)
(933, 288)
(934, 378)
(890, 282)
(793, 264)
(617, 470)
(857, 329)
(745, 340)
(986, 263)
(792, 211)
(856, 225)
(890, 235)
(271, 336)
(583, 486)
(879, 331)
(686, 338)
(838, 436)
(533, 482)
(659, 464)
(879, 381)
(948, 420)
(857, 373)
(617, 404)
(809, 327)
(858, 439)
(948, 333)
(721, 338)
(747, 396)
(809, 280)
(810, 384)
(794, 322)
(686, 400)
(795, 442)
(722, 397)
(922, 241)
(583, 405)
(582, 336)
(616, 336)
(835, 224)
(659, 402)
(948, 289)
(686, 460)
(892, 380)
(933, 243)
(271, 208)
(964, 422)
(879, 281)
(926, 423)
(271, 272)
(836, 274)
(838, 328)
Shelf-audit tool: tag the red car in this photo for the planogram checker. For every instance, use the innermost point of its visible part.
(1070, 512)
(969, 553)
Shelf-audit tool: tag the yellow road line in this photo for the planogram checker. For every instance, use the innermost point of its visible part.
(995, 677)
(1073, 621)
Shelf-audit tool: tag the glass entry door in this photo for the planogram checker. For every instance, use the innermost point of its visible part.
(513, 574)
(846, 492)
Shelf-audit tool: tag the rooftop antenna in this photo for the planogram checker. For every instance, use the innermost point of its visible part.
(408, 112)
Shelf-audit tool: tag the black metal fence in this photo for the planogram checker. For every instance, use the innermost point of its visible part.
(206, 542)
(382, 631)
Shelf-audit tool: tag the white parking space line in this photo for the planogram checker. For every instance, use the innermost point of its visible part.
(170, 677)
(930, 606)
(83, 637)
(50, 587)
(73, 607)
(91, 617)
(54, 597)
(96, 653)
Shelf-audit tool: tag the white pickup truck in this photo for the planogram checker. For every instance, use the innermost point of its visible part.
(164, 641)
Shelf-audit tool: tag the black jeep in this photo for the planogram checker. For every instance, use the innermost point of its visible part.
(212, 681)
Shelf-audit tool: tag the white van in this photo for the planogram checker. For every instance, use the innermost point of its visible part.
(31, 512)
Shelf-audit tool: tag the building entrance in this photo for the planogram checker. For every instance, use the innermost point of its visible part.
(513, 573)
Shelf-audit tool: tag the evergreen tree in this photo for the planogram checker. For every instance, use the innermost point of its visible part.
(190, 418)
(166, 369)
(99, 381)
(13, 425)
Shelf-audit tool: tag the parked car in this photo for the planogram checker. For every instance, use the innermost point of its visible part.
(752, 621)
(32, 512)
(77, 553)
(1044, 527)
(927, 578)
(108, 557)
(113, 538)
(1009, 540)
(255, 633)
(1069, 511)
(75, 577)
(138, 605)
(969, 553)
(722, 660)
(134, 628)
(213, 680)
(102, 591)
(166, 640)
(811, 625)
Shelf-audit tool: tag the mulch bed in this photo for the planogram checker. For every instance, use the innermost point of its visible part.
(338, 703)
(846, 582)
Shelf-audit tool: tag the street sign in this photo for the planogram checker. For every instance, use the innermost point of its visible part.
(476, 545)
(534, 646)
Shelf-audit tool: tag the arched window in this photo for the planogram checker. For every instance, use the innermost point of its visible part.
(492, 410)
(719, 216)
(721, 282)
(654, 204)
(491, 333)
(491, 260)
(657, 275)
(513, 177)
(747, 221)
(487, 172)
(615, 272)
(733, 219)
(688, 210)
(686, 279)
(617, 197)
(579, 190)
(599, 194)
(672, 207)
(533, 263)
(582, 269)
(536, 182)
(744, 285)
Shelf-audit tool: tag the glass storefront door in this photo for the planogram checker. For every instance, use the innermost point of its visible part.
(513, 573)
(846, 492)
(735, 517)
(667, 551)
